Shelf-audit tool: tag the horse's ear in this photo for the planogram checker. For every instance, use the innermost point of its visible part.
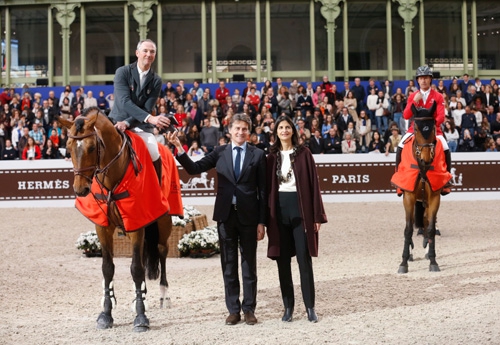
(414, 109)
(63, 122)
(91, 120)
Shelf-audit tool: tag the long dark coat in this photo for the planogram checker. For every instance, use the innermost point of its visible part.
(309, 196)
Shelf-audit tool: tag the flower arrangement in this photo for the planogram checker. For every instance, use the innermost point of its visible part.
(88, 242)
(206, 240)
(189, 211)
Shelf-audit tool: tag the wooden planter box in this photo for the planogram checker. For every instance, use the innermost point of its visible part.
(200, 222)
(123, 246)
(175, 236)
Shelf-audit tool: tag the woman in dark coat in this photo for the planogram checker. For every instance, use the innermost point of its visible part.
(295, 213)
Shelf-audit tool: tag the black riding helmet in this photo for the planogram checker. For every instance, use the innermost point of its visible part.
(423, 71)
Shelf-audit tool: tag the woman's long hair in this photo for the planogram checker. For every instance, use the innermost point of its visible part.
(276, 146)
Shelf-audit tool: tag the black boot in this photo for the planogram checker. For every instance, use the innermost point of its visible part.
(157, 165)
(399, 150)
(311, 315)
(446, 189)
(287, 315)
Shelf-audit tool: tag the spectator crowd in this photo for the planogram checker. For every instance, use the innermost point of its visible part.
(28, 126)
(354, 119)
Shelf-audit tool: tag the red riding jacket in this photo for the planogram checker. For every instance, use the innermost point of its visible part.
(434, 96)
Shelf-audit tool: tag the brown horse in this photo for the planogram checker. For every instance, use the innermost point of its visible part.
(422, 204)
(101, 153)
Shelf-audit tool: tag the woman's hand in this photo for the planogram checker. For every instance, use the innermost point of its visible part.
(260, 232)
(317, 226)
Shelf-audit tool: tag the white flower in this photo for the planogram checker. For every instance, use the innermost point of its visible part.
(88, 241)
(190, 211)
(200, 239)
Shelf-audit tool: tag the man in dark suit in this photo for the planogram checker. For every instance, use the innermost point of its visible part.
(359, 93)
(347, 89)
(316, 143)
(343, 121)
(239, 210)
(333, 141)
(465, 83)
(136, 89)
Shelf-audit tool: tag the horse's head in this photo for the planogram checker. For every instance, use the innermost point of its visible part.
(83, 145)
(425, 134)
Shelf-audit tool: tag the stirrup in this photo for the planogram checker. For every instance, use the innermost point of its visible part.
(399, 191)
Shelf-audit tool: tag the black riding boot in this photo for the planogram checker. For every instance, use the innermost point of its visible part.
(157, 165)
(447, 156)
(399, 150)
(446, 189)
(398, 157)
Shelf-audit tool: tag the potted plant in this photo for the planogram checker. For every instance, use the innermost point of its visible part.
(200, 243)
(89, 243)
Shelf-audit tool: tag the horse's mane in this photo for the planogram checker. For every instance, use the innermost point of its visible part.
(89, 110)
(80, 120)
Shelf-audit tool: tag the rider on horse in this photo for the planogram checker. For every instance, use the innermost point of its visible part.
(425, 98)
(136, 89)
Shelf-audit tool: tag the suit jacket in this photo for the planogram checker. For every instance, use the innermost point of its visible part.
(342, 124)
(333, 145)
(249, 189)
(133, 104)
(316, 147)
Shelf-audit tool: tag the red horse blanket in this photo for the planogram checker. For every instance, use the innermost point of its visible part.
(141, 200)
(407, 174)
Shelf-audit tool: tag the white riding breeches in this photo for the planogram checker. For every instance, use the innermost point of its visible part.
(151, 144)
(440, 137)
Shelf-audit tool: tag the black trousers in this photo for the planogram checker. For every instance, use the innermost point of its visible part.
(293, 238)
(233, 236)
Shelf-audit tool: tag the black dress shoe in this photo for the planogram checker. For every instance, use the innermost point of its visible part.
(287, 316)
(233, 319)
(311, 315)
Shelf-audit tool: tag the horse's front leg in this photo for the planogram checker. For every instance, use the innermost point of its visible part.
(141, 322)
(165, 229)
(431, 231)
(409, 202)
(105, 234)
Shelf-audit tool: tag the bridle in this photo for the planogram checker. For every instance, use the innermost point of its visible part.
(420, 147)
(95, 166)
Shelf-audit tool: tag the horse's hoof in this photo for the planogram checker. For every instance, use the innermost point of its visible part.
(434, 268)
(420, 231)
(165, 302)
(410, 258)
(425, 242)
(104, 321)
(141, 323)
(140, 329)
(438, 233)
(403, 269)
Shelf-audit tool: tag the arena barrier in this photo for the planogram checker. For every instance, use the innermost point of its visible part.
(343, 178)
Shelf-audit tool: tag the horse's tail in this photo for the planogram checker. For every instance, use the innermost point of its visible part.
(419, 214)
(151, 255)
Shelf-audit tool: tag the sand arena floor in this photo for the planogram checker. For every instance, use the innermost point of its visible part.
(51, 294)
